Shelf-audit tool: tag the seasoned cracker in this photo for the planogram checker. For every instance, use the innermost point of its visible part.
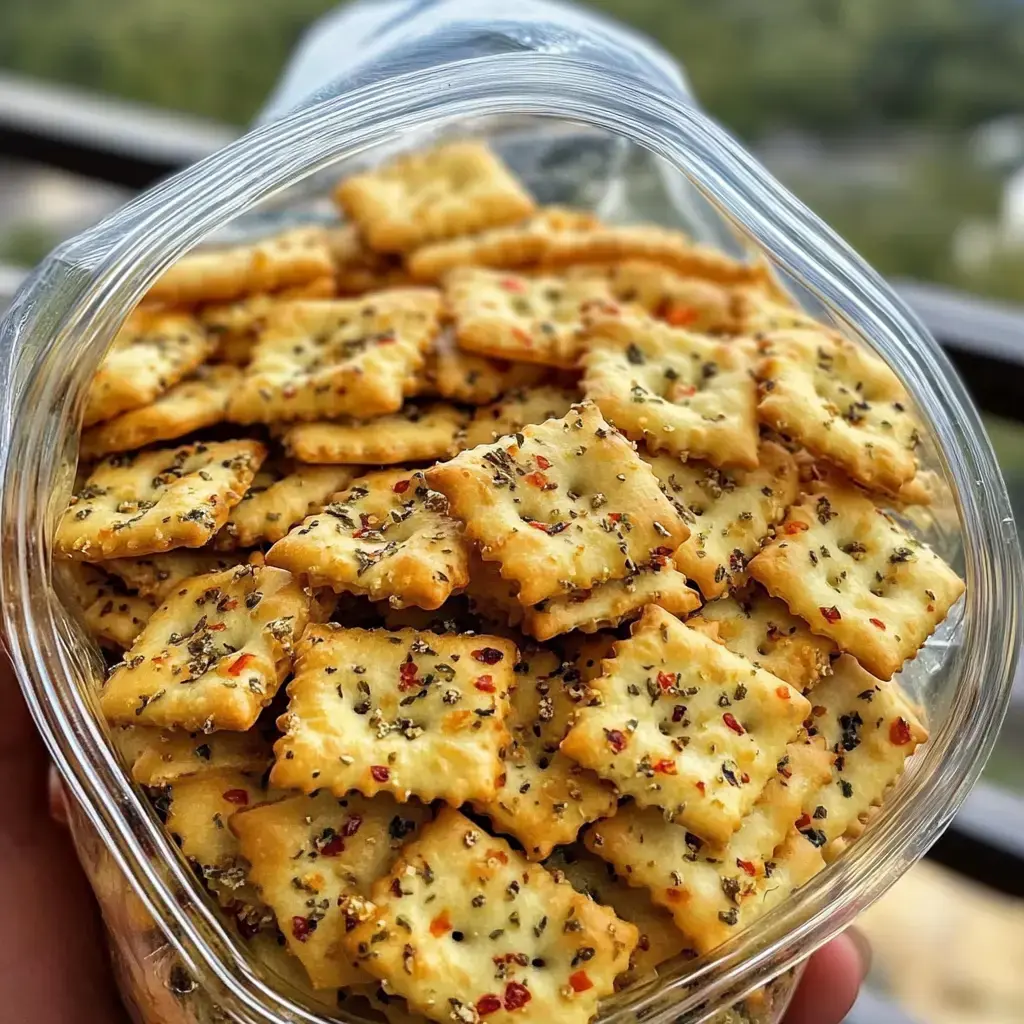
(545, 798)
(758, 312)
(111, 613)
(157, 575)
(406, 713)
(561, 505)
(761, 629)
(730, 512)
(681, 392)
(840, 402)
(213, 655)
(152, 351)
(518, 409)
(218, 275)
(856, 576)
(191, 405)
(532, 319)
(476, 380)
(419, 433)
(454, 189)
(141, 503)
(681, 723)
(279, 497)
(357, 268)
(465, 928)
(387, 536)
(348, 357)
(307, 854)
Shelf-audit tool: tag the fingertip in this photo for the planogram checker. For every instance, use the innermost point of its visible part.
(831, 981)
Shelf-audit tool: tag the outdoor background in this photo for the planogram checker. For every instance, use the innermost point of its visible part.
(901, 122)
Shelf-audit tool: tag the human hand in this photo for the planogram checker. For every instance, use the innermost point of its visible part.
(830, 981)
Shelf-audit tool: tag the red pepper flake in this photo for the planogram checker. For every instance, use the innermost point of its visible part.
(680, 316)
(522, 336)
(731, 722)
(352, 825)
(516, 996)
(489, 1003)
(228, 606)
(441, 925)
(746, 866)
(236, 796)
(579, 981)
(794, 527)
(666, 766)
(498, 855)
(666, 680)
(783, 693)
(380, 773)
(401, 486)
(614, 517)
(684, 391)
(931, 608)
(488, 655)
(216, 627)
(676, 895)
(744, 778)
(512, 284)
(803, 821)
(877, 623)
(701, 787)
(537, 479)
(300, 928)
(388, 338)
(899, 732)
(333, 848)
(485, 684)
(831, 614)
(543, 463)
(616, 740)
(407, 675)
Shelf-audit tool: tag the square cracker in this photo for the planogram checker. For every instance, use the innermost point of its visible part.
(152, 351)
(111, 613)
(157, 575)
(561, 505)
(191, 405)
(518, 409)
(346, 357)
(871, 729)
(680, 723)
(761, 629)
(213, 655)
(730, 512)
(685, 393)
(531, 319)
(357, 268)
(454, 189)
(279, 497)
(465, 928)
(141, 503)
(418, 433)
(856, 576)
(403, 712)
(713, 891)
(387, 536)
(840, 402)
(218, 275)
(545, 798)
(308, 855)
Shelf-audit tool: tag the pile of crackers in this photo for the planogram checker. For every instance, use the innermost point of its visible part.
(503, 605)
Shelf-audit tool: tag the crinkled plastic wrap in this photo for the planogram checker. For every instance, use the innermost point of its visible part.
(586, 114)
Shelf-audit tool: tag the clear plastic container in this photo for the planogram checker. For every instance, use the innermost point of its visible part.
(586, 114)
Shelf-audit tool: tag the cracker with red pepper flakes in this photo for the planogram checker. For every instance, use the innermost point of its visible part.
(856, 576)
(681, 723)
(286, 260)
(313, 860)
(760, 628)
(842, 403)
(157, 575)
(152, 352)
(518, 409)
(142, 503)
(111, 613)
(213, 655)
(561, 505)
(198, 402)
(403, 712)
(730, 512)
(466, 929)
(357, 268)
(429, 196)
(871, 729)
(387, 537)
(343, 357)
(546, 798)
(713, 890)
(418, 433)
(688, 394)
(279, 497)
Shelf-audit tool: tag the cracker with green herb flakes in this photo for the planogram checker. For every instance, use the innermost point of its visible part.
(213, 655)
(526, 318)
(432, 195)
(189, 406)
(158, 575)
(681, 723)
(871, 729)
(842, 403)
(466, 928)
(418, 433)
(403, 712)
(307, 854)
(730, 512)
(344, 357)
(546, 798)
(111, 613)
(519, 409)
(685, 393)
(561, 506)
(279, 497)
(387, 537)
(152, 352)
(286, 260)
(357, 268)
(856, 576)
(761, 629)
(142, 503)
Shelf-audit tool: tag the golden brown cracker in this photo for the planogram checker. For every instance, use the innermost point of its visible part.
(111, 613)
(518, 409)
(467, 377)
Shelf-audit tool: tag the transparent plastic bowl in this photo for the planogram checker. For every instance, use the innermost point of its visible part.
(577, 133)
